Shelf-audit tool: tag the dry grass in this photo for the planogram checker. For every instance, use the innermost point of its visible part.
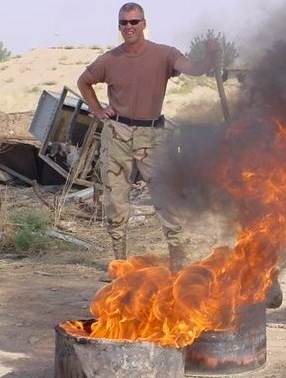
(48, 83)
(23, 229)
(61, 200)
(35, 89)
(4, 215)
(9, 80)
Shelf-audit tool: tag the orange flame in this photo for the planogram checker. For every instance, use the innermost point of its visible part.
(147, 302)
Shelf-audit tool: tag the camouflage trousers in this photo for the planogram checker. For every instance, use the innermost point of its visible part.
(120, 146)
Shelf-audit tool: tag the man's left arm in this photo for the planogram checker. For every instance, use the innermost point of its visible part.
(189, 67)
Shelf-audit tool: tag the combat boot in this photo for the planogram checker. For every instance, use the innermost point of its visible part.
(274, 297)
(119, 253)
(119, 248)
(177, 256)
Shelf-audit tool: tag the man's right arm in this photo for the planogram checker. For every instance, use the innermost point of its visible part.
(84, 84)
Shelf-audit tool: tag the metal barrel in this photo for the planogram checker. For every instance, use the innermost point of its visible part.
(234, 351)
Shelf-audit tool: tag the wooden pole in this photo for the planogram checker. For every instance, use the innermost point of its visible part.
(222, 95)
(220, 87)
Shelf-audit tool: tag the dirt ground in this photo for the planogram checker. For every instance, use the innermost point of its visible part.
(39, 290)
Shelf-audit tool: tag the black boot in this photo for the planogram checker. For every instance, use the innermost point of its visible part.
(119, 252)
(104, 277)
(119, 248)
(177, 257)
(274, 297)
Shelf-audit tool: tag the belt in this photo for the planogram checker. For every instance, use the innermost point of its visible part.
(159, 122)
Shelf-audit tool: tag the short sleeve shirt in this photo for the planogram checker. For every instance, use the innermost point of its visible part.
(136, 83)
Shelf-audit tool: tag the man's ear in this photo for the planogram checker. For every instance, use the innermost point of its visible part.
(144, 23)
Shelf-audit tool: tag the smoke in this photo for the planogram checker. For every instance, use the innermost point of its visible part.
(253, 25)
(183, 179)
(255, 41)
(266, 84)
(210, 167)
(201, 168)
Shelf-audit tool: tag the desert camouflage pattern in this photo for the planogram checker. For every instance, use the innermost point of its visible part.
(120, 144)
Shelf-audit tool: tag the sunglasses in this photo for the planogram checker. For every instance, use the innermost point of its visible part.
(131, 22)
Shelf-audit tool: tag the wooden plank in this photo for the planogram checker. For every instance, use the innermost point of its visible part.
(16, 174)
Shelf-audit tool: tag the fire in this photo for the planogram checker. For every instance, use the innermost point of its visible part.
(147, 302)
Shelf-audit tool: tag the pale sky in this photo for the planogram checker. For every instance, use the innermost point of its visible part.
(27, 24)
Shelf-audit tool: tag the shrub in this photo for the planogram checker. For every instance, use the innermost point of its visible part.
(33, 90)
(29, 226)
(49, 83)
(197, 48)
(4, 53)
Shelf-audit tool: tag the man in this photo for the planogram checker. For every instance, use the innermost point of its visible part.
(136, 73)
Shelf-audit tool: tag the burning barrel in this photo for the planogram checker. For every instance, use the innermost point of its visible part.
(213, 353)
(85, 357)
(234, 351)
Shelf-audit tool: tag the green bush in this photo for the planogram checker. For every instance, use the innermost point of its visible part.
(29, 227)
(32, 218)
(197, 50)
(24, 239)
(4, 53)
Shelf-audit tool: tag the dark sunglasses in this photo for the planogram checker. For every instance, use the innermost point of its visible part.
(131, 22)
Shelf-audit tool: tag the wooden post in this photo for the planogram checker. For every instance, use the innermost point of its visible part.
(223, 100)
(220, 87)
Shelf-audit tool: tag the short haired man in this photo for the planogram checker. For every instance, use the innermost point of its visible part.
(136, 73)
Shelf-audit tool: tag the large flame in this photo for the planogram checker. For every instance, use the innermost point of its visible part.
(146, 301)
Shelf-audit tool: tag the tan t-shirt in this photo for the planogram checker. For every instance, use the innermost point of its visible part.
(136, 83)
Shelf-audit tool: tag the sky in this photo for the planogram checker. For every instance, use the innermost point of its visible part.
(35, 24)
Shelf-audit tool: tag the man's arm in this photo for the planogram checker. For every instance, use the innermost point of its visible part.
(84, 84)
(188, 66)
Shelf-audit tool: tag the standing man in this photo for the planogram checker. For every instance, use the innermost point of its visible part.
(136, 73)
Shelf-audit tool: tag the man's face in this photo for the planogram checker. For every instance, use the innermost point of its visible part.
(132, 33)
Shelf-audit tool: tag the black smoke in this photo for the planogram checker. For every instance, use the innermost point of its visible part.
(202, 167)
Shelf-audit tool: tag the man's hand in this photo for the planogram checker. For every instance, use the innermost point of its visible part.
(212, 58)
(213, 51)
(85, 83)
(104, 113)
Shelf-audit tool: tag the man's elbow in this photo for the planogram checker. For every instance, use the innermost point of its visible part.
(85, 81)
(186, 66)
(81, 83)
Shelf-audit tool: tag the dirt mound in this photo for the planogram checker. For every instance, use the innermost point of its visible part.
(23, 78)
(15, 125)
